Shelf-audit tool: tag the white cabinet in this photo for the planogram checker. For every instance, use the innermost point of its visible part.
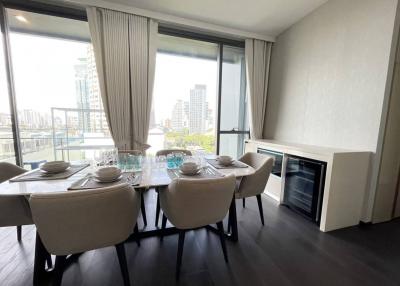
(345, 180)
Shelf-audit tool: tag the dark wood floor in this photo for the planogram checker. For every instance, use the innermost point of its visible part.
(288, 250)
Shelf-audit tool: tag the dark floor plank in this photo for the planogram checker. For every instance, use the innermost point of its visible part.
(287, 251)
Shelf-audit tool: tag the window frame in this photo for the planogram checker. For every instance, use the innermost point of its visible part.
(34, 7)
(221, 42)
(80, 14)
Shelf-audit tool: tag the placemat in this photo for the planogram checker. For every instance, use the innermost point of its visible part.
(205, 173)
(38, 175)
(235, 164)
(88, 182)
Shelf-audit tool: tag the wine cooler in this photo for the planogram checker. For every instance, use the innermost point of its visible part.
(304, 186)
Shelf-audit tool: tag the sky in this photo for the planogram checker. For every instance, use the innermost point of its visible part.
(44, 73)
(175, 76)
(44, 76)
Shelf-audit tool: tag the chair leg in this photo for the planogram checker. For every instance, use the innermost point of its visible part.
(49, 262)
(59, 270)
(157, 208)
(136, 232)
(220, 227)
(19, 233)
(260, 208)
(143, 208)
(181, 242)
(244, 202)
(163, 225)
(122, 263)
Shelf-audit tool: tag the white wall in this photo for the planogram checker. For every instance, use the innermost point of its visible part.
(389, 170)
(328, 75)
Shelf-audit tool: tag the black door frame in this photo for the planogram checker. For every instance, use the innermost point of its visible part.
(221, 42)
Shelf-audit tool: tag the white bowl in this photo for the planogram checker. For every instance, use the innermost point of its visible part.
(225, 160)
(190, 172)
(107, 180)
(55, 166)
(189, 167)
(107, 173)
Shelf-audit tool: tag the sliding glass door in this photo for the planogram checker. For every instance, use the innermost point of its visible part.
(199, 100)
(185, 95)
(58, 102)
(233, 123)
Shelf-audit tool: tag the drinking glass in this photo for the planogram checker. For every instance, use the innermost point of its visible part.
(170, 161)
(114, 156)
(121, 161)
(161, 161)
(137, 162)
(98, 157)
(130, 161)
(178, 159)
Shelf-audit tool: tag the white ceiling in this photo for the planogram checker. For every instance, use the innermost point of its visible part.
(267, 17)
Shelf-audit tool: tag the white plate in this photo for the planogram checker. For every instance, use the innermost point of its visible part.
(107, 180)
(189, 173)
(53, 172)
(55, 166)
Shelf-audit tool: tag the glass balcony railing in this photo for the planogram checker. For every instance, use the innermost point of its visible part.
(69, 134)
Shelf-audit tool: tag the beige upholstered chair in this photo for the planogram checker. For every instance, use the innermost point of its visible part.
(166, 152)
(193, 203)
(14, 209)
(78, 221)
(254, 185)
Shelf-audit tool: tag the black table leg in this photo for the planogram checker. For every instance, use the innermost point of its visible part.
(233, 220)
(39, 268)
(143, 207)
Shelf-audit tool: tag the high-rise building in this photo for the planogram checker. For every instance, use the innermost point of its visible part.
(186, 114)
(198, 109)
(82, 93)
(177, 116)
(210, 118)
(91, 119)
(98, 119)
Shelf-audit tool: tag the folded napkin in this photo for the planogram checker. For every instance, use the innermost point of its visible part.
(235, 164)
(88, 182)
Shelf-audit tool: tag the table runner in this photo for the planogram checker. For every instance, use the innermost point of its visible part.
(90, 183)
(205, 173)
(235, 164)
(38, 175)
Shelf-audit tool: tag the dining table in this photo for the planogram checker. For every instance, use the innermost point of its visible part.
(151, 175)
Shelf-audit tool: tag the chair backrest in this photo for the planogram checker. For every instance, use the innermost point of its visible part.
(8, 171)
(191, 203)
(165, 152)
(255, 184)
(77, 221)
(14, 209)
(131, 152)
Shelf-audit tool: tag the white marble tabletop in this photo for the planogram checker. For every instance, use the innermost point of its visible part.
(150, 177)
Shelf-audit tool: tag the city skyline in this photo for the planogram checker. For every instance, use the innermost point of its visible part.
(193, 115)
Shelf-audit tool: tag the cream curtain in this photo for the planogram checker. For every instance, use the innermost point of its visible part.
(258, 55)
(125, 50)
